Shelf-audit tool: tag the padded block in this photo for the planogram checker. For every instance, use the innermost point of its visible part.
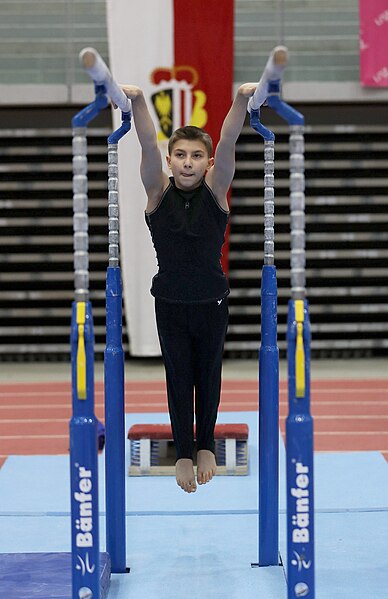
(152, 450)
(163, 431)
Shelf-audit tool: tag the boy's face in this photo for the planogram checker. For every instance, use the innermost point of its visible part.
(188, 163)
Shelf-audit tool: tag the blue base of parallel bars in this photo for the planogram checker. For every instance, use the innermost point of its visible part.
(115, 423)
(300, 470)
(268, 422)
(43, 575)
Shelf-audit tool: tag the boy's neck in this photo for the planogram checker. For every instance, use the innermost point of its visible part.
(187, 189)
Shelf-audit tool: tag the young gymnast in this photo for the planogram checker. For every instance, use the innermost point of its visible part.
(187, 215)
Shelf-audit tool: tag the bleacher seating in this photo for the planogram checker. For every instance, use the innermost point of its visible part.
(346, 240)
(346, 224)
(36, 273)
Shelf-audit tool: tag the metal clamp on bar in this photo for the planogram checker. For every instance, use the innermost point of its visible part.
(115, 137)
(284, 110)
(257, 125)
(90, 112)
(101, 75)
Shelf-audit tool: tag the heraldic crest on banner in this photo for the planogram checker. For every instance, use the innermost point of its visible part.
(175, 101)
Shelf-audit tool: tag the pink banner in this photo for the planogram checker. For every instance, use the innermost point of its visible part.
(374, 43)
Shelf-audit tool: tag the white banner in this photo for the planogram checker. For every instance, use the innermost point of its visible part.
(140, 40)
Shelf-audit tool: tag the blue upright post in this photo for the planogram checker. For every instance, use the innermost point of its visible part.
(268, 422)
(299, 423)
(268, 369)
(269, 353)
(114, 423)
(114, 355)
(83, 424)
(299, 447)
(83, 458)
(114, 371)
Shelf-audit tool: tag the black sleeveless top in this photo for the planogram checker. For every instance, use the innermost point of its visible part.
(188, 229)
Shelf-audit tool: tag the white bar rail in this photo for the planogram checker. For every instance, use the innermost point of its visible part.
(101, 75)
(273, 71)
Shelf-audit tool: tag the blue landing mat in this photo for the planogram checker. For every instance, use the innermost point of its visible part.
(351, 555)
(201, 545)
(211, 555)
(43, 575)
(47, 481)
(171, 557)
(351, 481)
(343, 481)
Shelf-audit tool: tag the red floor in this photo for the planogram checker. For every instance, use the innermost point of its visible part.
(348, 415)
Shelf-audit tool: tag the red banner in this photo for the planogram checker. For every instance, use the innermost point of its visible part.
(181, 54)
(374, 43)
(203, 41)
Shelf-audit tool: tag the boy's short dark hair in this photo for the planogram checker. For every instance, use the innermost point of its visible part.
(192, 133)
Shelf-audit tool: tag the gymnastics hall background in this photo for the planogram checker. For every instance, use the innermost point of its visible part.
(212, 537)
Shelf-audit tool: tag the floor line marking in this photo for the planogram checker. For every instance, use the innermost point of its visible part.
(9, 437)
(137, 392)
(315, 417)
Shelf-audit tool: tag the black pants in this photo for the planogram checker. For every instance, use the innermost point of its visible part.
(192, 342)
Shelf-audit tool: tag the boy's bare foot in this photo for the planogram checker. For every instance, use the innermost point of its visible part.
(185, 476)
(206, 466)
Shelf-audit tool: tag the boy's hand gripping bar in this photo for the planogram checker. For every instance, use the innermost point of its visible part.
(101, 75)
(273, 71)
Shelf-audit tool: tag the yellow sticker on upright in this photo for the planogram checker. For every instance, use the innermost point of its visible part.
(81, 353)
(300, 378)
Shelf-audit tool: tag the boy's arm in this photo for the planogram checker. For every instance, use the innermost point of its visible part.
(220, 176)
(153, 177)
